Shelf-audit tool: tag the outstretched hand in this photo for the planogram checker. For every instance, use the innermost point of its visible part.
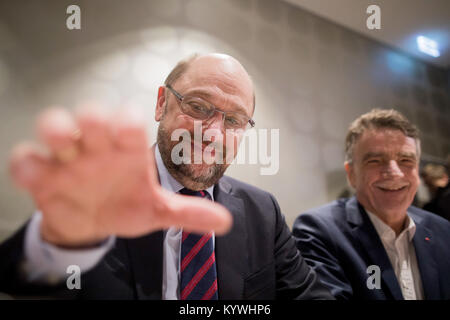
(97, 177)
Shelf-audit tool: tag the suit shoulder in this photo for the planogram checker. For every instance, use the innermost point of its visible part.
(241, 188)
(430, 220)
(328, 218)
(330, 211)
(257, 202)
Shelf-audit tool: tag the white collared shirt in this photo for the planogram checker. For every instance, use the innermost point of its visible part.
(402, 255)
(48, 263)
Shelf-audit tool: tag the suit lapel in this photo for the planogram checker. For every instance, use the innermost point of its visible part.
(146, 255)
(425, 248)
(231, 249)
(367, 235)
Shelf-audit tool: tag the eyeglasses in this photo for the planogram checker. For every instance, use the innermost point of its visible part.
(200, 109)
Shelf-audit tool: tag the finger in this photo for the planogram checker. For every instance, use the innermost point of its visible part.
(93, 121)
(197, 215)
(129, 130)
(152, 171)
(28, 166)
(56, 128)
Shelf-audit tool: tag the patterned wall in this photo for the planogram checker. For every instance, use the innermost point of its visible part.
(312, 79)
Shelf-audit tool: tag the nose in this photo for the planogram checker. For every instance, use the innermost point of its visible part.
(215, 129)
(216, 122)
(392, 169)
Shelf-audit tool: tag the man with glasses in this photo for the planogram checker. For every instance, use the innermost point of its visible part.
(136, 223)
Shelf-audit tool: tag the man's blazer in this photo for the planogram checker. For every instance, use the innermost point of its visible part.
(339, 241)
(257, 259)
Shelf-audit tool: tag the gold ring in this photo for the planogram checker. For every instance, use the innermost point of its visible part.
(70, 153)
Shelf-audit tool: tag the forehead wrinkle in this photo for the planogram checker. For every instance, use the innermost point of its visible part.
(210, 97)
(225, 74)
(382, 154)
(215, 90)
(226, 83)
(370, 154)
(385, 142)
(407, 154)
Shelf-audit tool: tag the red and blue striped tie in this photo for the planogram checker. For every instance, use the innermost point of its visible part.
(198, 262)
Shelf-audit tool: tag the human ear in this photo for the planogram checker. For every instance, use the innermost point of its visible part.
(160, 104)
(349, 169)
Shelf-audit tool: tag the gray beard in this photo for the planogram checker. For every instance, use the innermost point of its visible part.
(185, 173)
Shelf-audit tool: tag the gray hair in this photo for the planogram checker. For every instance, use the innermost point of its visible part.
(377, 119)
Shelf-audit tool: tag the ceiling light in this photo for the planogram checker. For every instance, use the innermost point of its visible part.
(428, 46)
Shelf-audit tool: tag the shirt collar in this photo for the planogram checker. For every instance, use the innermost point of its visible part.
(167, 181)
(384, 230)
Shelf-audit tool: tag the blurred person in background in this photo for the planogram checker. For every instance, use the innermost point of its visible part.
(435, 177)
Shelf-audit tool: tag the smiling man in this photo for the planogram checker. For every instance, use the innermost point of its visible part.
(140, 225)
(375, 245)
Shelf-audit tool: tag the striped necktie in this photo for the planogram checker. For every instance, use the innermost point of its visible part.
(198, 262)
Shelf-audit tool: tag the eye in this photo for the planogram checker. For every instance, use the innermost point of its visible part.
(233, 121)
(373, 161)
(197, 108)
(407, 161)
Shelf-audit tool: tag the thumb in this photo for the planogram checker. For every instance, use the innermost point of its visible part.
(197, 215)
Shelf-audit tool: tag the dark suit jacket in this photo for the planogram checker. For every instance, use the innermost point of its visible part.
(339, 241)
(257, 259)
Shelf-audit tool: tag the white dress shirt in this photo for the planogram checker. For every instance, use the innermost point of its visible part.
(172, 239)
(48, 263)
(402, 255)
